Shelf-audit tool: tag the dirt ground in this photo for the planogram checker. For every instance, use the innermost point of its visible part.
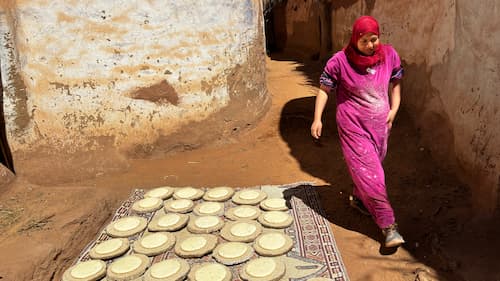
(44, 227)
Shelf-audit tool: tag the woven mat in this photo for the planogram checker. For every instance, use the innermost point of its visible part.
(314, 254)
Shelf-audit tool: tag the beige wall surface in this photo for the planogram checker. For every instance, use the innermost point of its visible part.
(127, 75)
(451, 87)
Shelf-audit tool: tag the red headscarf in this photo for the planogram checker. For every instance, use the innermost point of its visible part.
(363, 25)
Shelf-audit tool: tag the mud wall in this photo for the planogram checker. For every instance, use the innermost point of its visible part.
(450, 52)
(91, 83)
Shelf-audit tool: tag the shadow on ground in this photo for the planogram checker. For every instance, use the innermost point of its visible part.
(432, 206)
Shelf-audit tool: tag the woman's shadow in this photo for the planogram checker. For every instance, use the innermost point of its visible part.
(323, 159)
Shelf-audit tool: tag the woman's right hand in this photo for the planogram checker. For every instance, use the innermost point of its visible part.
(316, 128)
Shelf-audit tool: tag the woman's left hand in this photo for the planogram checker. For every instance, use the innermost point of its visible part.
(390, 118)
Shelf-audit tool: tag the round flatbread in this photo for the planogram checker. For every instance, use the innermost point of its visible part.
(168, 270)
(218, 194)
(189, 193)
(275, 219)
(154, 244)
(90, 270)
(195, 246)
(249, 197)
(274, 204)
(126, 226)
(179, 206)
(146, 205)
(205, 224)
(128, 267)
(273, 244)
(109, 249)
(243, 212)
(260, 269)
(163, 192)
(241, 231)
(210, 271)
(232, 253)
(168, 222)
(209, 209)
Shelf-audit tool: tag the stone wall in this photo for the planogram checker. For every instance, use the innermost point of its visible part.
(450, 52)
(97, 82)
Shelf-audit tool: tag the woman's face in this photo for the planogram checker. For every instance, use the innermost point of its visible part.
(368, 43)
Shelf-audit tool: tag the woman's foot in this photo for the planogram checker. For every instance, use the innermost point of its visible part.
(392, 236)
(358, 205)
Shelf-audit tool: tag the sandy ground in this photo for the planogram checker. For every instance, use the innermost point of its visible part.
(44, 227)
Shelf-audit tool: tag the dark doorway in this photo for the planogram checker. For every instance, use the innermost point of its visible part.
(275, 25)
(5, 154)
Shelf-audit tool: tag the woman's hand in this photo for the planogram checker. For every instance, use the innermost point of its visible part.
(390, 118)
(316, 128)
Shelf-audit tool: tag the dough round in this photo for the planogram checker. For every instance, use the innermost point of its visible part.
(210, 271)
(243, 212)
(163, 192)
(195, 246)
(231, 253)
(241, 231)
(270, 269)
(205, 224)
(179, 206)
(274, 204)
(110, 249)
(154, 244)
(126, 226)
(168, 222)
(168, 270)
(275, 219)
(128, 267)
(209, 208)
(87, 270)
(218, 194)
(146, 205)
(273, 244)
(188, 193)
(249, 197)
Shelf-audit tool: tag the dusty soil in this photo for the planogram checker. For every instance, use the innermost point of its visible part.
(44, 227)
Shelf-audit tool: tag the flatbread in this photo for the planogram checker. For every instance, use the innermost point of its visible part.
(190, 193)
(126, 226)
(205, 224)
(275, 219)
(146, 205)
(90, 270)
(263, 269)
(241, 231)
(273, 244)
(210, 271)
(163, 192)
(168, 270)
(274, 204)
(232, 253)
(249, 197)
(179, 206)
(243, 212)
(128, 267)
(154, 244)
(209, 208)
(168, 222)
(195, 246)
(218, 194)
(109, 249)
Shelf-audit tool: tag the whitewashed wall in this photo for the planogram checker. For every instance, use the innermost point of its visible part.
(80, 75)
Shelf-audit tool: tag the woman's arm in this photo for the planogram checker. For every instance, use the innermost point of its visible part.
(395, 100)
(319, 106)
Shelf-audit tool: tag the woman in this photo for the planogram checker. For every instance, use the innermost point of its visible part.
(363, 74)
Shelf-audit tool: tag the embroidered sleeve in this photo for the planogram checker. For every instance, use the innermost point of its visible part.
(397, 73)
(327, 81)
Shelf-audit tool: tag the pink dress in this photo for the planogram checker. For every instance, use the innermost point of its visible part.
(362, 109)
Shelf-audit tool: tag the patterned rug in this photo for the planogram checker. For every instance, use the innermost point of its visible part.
(314, 254)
